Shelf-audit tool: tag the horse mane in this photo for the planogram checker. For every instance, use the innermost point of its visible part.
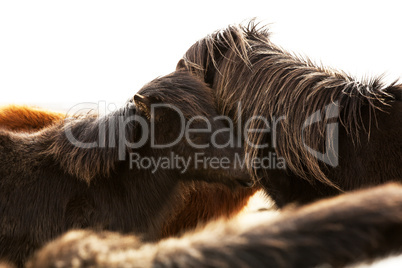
(84, 163)
(242, 65)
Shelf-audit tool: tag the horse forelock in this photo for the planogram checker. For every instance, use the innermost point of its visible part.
(242, 65)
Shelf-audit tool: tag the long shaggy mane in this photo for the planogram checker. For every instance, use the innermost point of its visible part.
(243, 66)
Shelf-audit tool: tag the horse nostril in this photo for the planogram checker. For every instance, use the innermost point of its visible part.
(246, 183)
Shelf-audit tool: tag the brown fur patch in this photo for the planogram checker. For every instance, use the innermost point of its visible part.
(27, 119)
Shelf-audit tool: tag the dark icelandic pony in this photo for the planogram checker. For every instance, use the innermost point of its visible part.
(48, 185)
(349, 229)
(312, 112)
(204, 201)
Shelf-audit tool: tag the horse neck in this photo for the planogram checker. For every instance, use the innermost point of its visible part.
(137, 201)
(147, 199)
(90, 146)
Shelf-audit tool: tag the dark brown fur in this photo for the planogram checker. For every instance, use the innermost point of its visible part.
(242, 65)
(356, 227)
(204, 201)
(49, 186)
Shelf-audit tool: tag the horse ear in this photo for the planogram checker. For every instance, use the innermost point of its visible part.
(138, 98)
(143, 102)
(181, 65)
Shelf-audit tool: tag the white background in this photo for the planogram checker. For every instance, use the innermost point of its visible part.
(63, 52)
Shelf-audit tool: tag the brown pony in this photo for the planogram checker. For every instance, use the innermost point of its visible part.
(203, 201)
(356, 227)
(333, 132)
(51, 183)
